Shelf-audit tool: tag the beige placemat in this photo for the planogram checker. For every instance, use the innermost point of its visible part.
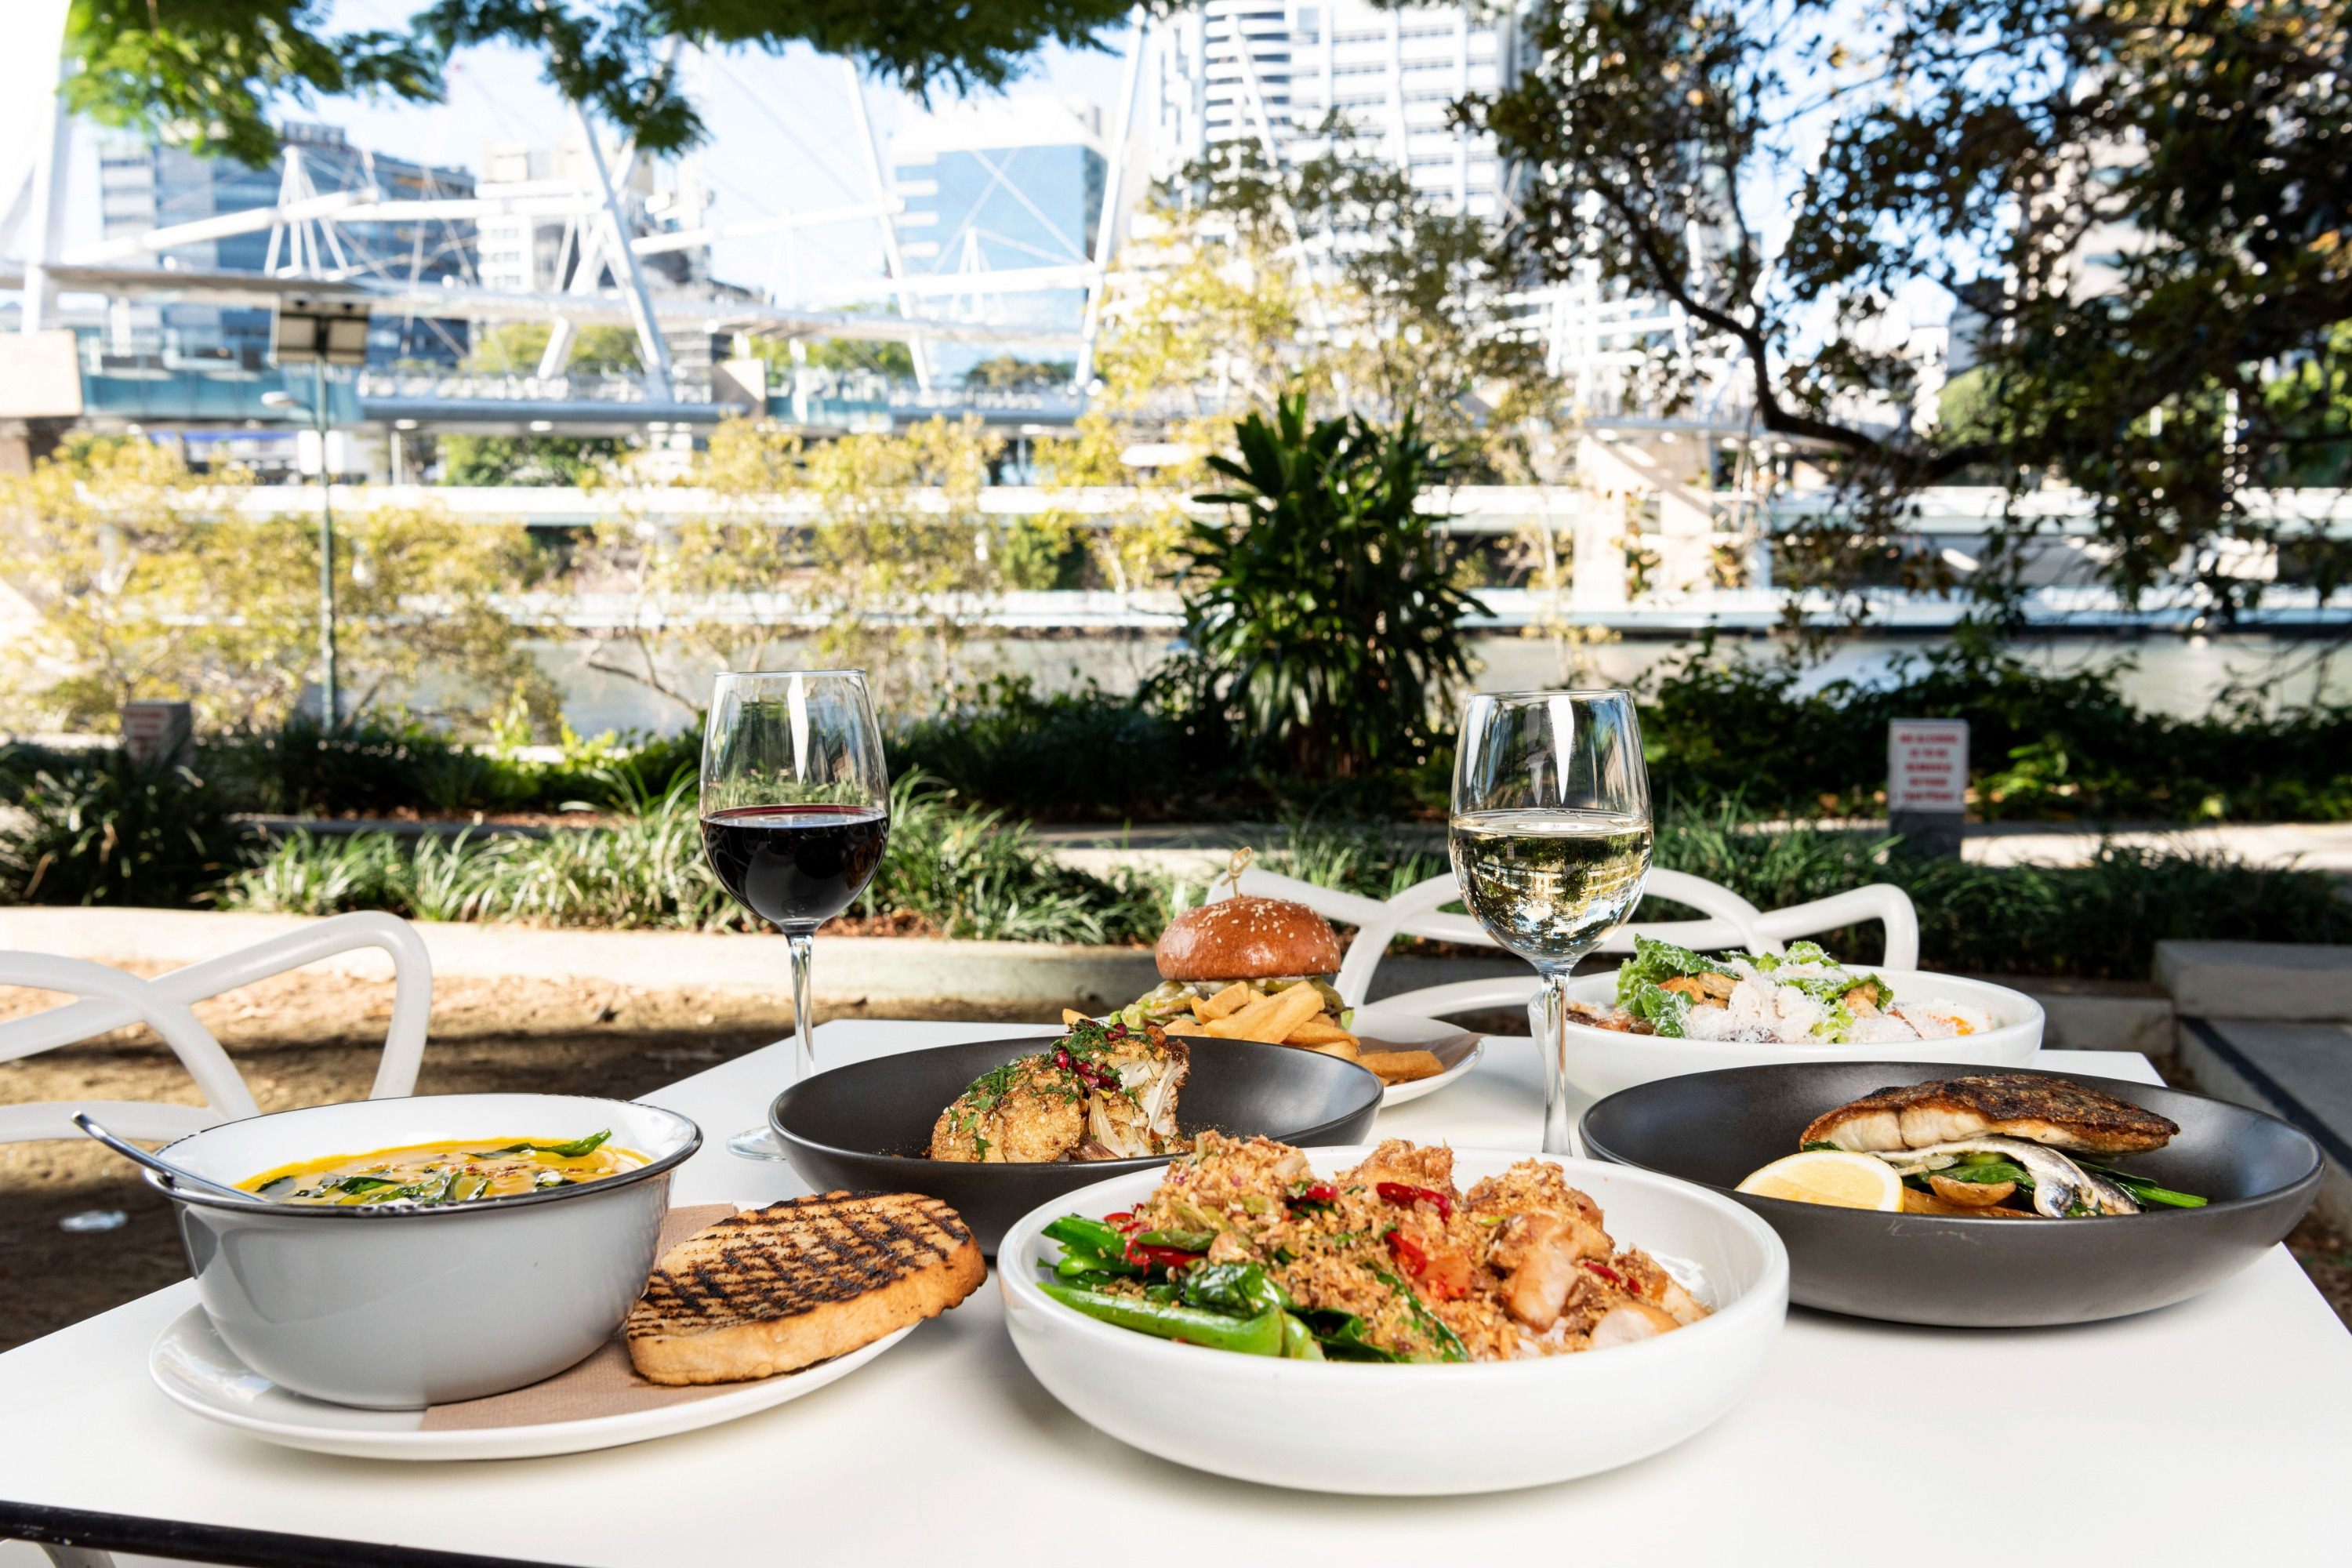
(606, 1383)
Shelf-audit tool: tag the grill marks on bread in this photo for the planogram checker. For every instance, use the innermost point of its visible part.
(799, 1282)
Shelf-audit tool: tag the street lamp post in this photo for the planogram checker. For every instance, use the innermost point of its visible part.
(330, 714)
(324, 332)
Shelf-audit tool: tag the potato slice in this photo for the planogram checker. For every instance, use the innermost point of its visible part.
(1072, 1017)
(1317, 1031)
(1270, 1019)
(1401, 1066)
(1224, 1003)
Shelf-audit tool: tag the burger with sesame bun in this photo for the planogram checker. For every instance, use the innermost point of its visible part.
(1248, 968)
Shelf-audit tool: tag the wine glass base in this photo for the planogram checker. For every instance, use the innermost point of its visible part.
(757, 1143)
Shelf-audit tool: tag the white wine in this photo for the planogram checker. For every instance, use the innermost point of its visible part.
(1546, 884)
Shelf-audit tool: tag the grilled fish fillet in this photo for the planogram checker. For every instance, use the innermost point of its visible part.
(796, 1283)
(2046, 1111)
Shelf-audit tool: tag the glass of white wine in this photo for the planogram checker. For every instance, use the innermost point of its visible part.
(1550, 836)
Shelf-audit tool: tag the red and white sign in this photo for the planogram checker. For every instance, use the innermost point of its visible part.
(1928, 765)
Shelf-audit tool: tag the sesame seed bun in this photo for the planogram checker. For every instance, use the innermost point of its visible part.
(1248, 939)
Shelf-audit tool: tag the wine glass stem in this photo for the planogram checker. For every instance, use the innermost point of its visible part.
(803, 946)
(1560, 1135)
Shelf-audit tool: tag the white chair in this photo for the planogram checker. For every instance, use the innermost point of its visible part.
(110, 999)
(1732, 921)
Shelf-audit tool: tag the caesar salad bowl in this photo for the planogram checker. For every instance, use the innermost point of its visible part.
(1601, 1061)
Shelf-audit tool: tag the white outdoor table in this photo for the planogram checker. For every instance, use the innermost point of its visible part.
(2217, 1430)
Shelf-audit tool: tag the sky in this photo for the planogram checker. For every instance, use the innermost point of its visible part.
(781, 135)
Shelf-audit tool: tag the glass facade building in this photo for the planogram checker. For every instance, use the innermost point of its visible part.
(1001, 185)
(146, 184)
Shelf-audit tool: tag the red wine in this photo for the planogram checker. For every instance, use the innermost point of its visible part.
(795, 866)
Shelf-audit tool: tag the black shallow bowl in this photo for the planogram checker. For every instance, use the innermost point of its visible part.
(1714, 1128)
(864, 1126)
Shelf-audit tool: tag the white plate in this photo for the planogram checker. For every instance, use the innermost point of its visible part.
(200, 1373)
(1422, 1430)
(1411, 1029)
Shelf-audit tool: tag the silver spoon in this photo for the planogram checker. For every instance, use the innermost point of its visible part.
(189, 1179)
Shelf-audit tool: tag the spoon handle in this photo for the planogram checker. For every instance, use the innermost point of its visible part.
(180, 1178)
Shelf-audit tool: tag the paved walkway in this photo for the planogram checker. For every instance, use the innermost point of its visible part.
(1202, 850)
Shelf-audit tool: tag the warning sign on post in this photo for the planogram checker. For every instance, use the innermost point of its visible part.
(1928, 766)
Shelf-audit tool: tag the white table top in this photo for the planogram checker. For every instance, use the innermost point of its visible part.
(2221, 1428)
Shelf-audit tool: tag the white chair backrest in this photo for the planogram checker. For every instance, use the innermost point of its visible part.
(110, 999)
(1732, 921)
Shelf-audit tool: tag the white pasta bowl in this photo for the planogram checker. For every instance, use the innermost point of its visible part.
(1421, 1430)
(1603, 1062)
(396, 1309)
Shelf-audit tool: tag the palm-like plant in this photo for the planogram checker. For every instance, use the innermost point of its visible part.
(1323, 623)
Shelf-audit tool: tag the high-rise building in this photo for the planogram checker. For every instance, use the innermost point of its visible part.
(1275, 73)
(998, 185)
(148, 184)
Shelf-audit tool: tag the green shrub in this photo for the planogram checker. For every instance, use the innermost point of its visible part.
(1323, 625)
(98, 827)
(1074, 754)
(963, 871)
(2042, 745)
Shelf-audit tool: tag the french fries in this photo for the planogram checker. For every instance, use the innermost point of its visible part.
(1271, 1019)
(1401, 1066)
(1343, 1047)
(1224, 1003)
(1316, 1032)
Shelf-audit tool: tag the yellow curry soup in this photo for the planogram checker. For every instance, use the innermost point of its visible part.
(457, 1171)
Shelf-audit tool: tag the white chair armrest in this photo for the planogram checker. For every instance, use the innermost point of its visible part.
(412, 1002)
(123, 999)
(1354, 909)
(143, 1120)
(1880, 901)
(1464, 997)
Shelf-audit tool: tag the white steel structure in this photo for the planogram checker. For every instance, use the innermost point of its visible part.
(1275, 73)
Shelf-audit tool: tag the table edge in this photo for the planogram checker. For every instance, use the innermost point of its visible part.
(43, 1525)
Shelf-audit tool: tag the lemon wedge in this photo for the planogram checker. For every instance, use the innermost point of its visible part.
(1831, 1176)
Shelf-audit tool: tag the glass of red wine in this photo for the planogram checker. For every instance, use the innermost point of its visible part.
(795, 811)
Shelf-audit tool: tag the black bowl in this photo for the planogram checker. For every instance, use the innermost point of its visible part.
(865, 1126)
(1715, 1128)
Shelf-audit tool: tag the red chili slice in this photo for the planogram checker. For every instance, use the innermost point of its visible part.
(1320, 1193)
(1171, 1258)
(1608, 1273)
(1403, 1196)
(1408, 1253)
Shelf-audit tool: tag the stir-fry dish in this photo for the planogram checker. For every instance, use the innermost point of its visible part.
(1994, 1147)
(1102, 1093)
(462, 1171)
(1801, 998)
(1244, 1247)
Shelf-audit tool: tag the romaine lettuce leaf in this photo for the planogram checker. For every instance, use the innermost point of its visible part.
(1667, 1011)
(1653, 962)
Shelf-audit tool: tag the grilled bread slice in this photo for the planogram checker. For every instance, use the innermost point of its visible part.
(785, 1287)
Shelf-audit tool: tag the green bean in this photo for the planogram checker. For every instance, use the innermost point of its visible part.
(1261, 1335)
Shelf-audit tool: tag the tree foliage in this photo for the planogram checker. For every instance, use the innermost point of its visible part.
(149, 582)
(208, 71)
(1335, 276)
(1323, 623)
(2139, 206)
